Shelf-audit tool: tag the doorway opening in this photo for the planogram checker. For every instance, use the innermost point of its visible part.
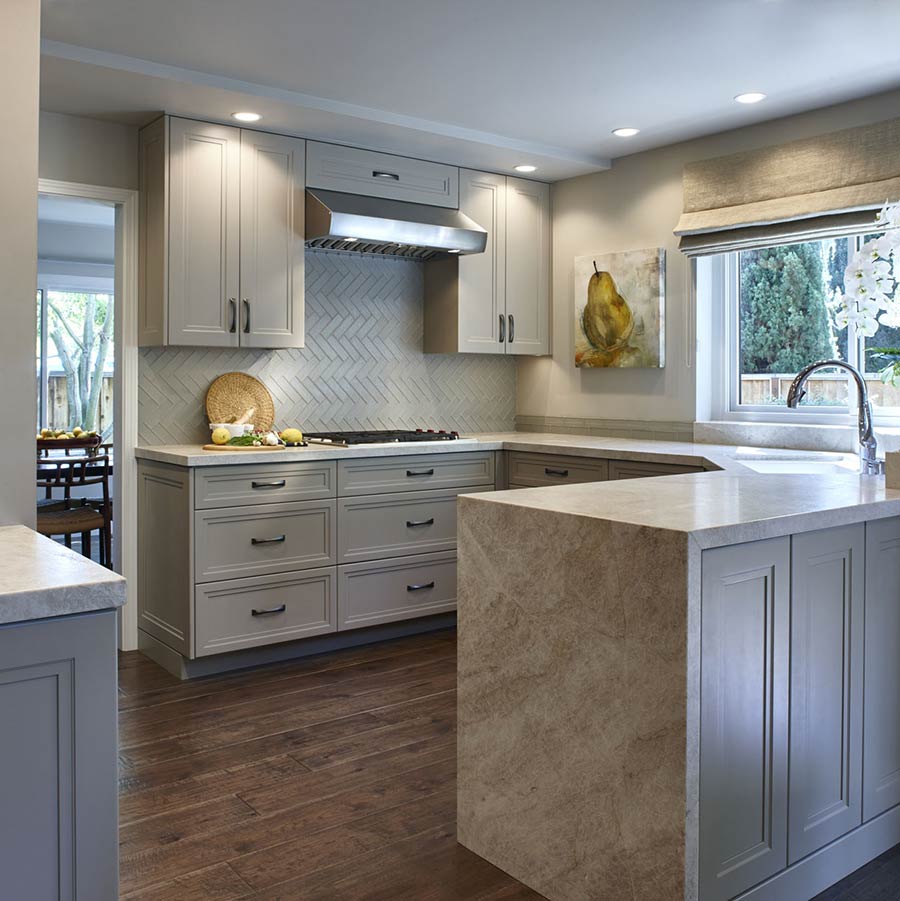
(86, 359)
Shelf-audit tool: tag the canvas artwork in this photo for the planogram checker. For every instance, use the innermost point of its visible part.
(620, 309)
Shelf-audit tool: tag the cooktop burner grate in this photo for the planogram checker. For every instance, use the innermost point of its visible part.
(387, 436)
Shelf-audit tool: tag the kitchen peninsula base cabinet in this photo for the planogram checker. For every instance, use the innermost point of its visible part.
(247, 563)
(650, 709)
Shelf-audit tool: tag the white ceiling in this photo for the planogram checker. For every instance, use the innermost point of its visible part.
(75, 229)
(486, 83)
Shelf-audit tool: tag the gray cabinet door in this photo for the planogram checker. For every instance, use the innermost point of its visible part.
(881, 766)
(272, 232)
(262, 483)
(419, 472)
(827, 597)
(527, 267)
(529, 470)
(744, 716)
(204, 233)
(58, 828)
(637, 469)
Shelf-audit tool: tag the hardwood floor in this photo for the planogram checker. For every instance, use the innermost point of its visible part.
(323, 779)
(326, 778)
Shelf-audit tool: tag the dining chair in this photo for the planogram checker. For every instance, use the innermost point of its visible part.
(68, 515)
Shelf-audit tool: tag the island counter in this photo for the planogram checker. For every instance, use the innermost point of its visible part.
(58, 819)
(614, 635)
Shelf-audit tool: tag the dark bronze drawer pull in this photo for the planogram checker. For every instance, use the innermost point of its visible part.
(563, 473)
(278, 539)
(280, 609)
(280, 484)
(410, 523)
(391, 175)
(420, 472)
(421, 587)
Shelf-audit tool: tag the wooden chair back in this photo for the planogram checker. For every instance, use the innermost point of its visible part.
(66, 473)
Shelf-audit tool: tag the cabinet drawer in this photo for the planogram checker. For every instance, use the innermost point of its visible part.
(258, 541)
(635, 469)
(395, 525)
(533, 470)
(378, 475)
(239, 485)
(391, 590)
(353, 171)
(244, 613)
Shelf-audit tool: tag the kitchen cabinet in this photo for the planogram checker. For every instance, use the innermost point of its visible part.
(638, 469)
(826, 642)
(744, 716)
(334, 167)
(59, 830)
(221, 244)
(496, 302)
(245, 556)
(529, 470)
(881, 766)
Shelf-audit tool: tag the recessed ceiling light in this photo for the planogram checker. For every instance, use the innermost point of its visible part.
(750, 97)
(246, 117)
(626, 132)
(525, 168)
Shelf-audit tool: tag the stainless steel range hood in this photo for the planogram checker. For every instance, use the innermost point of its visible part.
(349, 222)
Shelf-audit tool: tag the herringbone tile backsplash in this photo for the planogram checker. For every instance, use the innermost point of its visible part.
(362, 366)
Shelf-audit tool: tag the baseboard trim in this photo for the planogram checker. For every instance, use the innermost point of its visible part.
(814, 874)
(182, 668)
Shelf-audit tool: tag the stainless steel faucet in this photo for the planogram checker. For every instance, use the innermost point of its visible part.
(868, 463)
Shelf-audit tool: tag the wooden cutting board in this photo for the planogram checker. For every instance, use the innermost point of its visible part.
(243, 447)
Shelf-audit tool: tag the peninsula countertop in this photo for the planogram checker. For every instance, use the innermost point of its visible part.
(44, 579)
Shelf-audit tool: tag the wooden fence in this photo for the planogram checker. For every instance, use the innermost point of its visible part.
(822, 389)
(58, 403)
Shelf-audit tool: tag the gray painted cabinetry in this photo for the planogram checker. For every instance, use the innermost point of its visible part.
(242, 556)
(59, 830)
(799, 722)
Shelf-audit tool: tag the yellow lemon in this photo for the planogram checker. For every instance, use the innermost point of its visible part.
(292, 436)
(221, 436)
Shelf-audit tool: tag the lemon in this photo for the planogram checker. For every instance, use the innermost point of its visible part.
(292, 436)
(221, 436)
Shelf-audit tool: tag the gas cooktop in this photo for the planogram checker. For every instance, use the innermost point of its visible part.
(387, 436)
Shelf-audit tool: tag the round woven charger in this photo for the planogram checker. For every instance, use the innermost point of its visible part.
(232, 394)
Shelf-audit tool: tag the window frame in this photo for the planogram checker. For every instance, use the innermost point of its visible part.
(723, 279)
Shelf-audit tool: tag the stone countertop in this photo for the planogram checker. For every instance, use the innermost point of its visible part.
(712, 456)
(43, 579)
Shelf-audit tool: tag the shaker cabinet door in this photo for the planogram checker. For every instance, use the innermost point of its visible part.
(204, 238)
(744, 716)
(881, 766)
(482, 276)
(272, 232)
(527, 267)
(827, 596)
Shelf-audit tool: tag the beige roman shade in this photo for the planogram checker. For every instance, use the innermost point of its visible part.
(830, 184)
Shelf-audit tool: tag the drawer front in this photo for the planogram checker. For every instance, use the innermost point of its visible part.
(259, 541)
(336, 168)
(534, 470)
(245, 613)
(240, 485)
(392, 590)
(633, 469)
(419, 472)
(396, 525)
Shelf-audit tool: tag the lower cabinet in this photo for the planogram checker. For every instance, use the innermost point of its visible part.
(59, 828)
(826, 643)
(799, 721)
(881, 731)
(744, 716)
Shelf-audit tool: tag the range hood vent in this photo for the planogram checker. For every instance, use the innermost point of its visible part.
(349, 222)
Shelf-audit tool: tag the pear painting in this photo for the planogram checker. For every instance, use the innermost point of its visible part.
(619, 310)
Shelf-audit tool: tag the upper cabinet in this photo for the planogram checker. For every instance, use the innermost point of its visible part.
(498, 301)
(221, 249)
(334, 167)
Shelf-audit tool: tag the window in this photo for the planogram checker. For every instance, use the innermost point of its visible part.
(75, 359)
(776, 308)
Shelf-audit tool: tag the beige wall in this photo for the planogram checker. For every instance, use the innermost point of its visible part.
(636, 204)
(19, 73)
(88, 151)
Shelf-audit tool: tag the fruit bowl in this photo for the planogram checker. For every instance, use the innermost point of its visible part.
(89, 443)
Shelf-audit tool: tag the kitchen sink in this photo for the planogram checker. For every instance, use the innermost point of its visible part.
(800, 464)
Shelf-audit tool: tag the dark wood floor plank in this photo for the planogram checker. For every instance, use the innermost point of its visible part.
(226, 708)
(216, 883)
(166, 862)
